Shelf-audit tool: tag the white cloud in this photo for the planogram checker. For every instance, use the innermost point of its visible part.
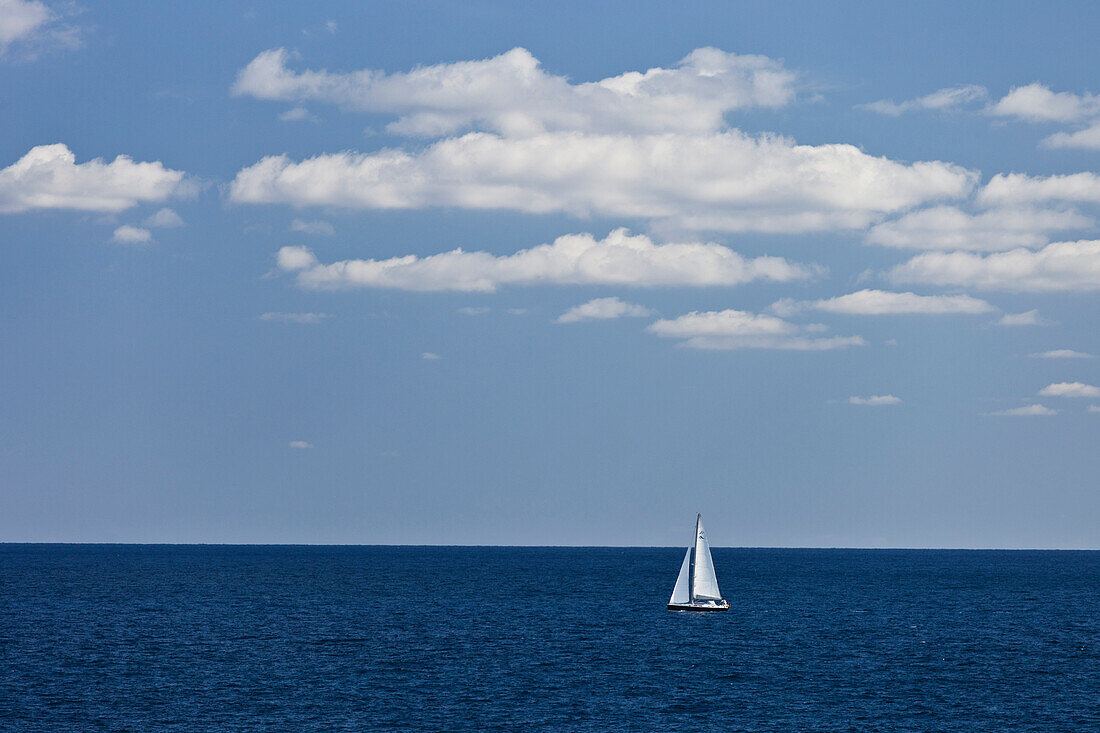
(1027, 411)
(474, 310)
(726, 181)
(164, 219)
(127, 234)
(20, 19)
(312, 227)
(1027, 318)
(573, 259)
(517, 311)
(511, 93)
(1061, 266)
(946, 98)
(1087, 138)
(300, 444)
(303, 318)
(48, 177)
(734, 329)
(295, 258)
(949, 228)
(1070, 389)
(1037, 103)
(1018, 188)
(881, 302)
(30, 26)
(1061, 354)
(429, 356)
(601, 309)
(875, 400)
(1094, 408)
(297, 114)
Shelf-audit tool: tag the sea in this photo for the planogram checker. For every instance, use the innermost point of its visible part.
(358, 638)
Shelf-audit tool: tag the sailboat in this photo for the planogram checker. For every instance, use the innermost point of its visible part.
(696, 585)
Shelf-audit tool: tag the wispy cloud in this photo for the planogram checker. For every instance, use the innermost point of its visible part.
(164, 219)
(875, 400)
(301, 318)
(430, 356)
(1027, 318)
(312, 227)
(30, 27)
(1061, 354)
(1026, 411)
(603, 309)
(881, 302)
(942, 99)
(297, 114)
(300, 444)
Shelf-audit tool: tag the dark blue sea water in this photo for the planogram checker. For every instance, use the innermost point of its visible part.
(238, 638)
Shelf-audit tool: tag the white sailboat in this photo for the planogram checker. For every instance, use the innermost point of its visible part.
(696, 585)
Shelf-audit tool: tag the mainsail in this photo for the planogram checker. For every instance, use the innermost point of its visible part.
(705, 583)
(680, 593)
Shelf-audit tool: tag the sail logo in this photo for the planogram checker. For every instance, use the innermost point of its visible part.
(702, 535)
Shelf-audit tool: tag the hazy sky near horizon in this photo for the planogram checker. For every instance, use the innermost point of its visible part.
(477, 273)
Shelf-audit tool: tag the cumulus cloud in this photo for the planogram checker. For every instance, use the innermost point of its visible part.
(875, 400)
(1061, 354)
(1070, 389)
(312, 227)
(726, 181)
(949, 228)
(302, 318)
(513, 95)
(603, 309)
(48, 177)
(1026, 411)
(300, 444)
(941, 99)
(127, 234)
(1027, 318)
(1060, 266)
(1037, 103)
(164, 219)
(734, 329)
(1087, 138)
(881, 302)
(574, 259)
(1018, 188)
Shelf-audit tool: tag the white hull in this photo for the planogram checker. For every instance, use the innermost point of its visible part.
(700, 606)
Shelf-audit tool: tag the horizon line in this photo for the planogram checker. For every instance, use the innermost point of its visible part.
(548, 547)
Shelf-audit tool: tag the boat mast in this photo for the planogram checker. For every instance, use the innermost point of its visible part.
(691, 578)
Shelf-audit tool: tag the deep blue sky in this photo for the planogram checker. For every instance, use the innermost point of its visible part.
(143, 398)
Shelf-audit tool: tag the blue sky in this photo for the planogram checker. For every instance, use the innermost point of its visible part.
(483, 274)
